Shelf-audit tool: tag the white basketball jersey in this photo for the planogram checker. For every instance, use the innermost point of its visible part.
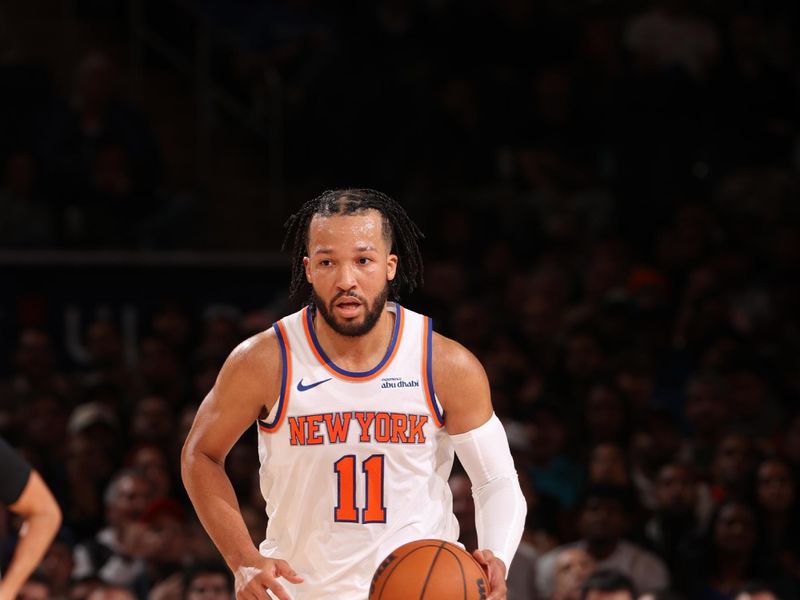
(353, 464)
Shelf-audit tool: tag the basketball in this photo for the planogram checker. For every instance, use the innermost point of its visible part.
(429, 570)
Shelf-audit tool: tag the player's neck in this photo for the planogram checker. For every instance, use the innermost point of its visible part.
(356, 353)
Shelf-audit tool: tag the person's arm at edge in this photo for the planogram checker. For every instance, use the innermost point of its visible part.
(42, 518)
(462, 387)
(250, 376)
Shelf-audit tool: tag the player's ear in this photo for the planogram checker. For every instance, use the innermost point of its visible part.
(307, 268)
(391, 266)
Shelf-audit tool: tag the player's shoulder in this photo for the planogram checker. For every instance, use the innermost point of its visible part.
(257, 353)
(450, 359)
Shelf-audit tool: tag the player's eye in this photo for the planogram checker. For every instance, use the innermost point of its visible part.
(325, 262)
(364, 260)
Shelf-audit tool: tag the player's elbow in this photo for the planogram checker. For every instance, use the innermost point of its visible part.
(195, 459)
(38, 507)
(188, 460)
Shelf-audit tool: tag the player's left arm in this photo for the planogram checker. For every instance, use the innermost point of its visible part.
(480, 442)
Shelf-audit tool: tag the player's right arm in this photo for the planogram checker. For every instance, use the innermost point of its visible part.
(250, 375)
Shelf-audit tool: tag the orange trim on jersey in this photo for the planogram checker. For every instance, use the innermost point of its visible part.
(427, 373)
(319, 353)
(286, 380)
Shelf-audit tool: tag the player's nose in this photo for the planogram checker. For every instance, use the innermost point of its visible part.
(346, 279)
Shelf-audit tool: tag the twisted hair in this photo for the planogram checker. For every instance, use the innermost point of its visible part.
(400, 232)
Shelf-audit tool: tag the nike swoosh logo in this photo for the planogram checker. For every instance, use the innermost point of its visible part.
(303, 388)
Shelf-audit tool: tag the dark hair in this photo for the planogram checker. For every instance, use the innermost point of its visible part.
(399, 230)
(205, 568)
(607, 491)
(608, 580)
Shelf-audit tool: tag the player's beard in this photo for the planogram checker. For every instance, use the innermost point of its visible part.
(372, 312)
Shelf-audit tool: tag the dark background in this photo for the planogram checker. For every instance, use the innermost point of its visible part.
(609, 192)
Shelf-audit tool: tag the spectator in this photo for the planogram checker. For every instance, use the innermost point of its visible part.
(27, 220)
(776, 501)
(111, 592)
(109, 554)
(572, 568)
(57, 566)
(607, 584)
(550, 469)
(602, 520)
(207, 581)
(734, 466)
(35, 588)
(607, 464)
(678, 519)
(728, 557)
(756, 591)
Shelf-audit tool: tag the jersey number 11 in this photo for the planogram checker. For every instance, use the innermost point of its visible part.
(346, 510)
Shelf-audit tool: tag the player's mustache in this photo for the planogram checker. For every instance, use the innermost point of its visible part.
(349, 294)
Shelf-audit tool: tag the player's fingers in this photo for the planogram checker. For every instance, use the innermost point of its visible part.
(284, 569)
(278, 591)
(249, 593)
(483, 557)
(498, 591)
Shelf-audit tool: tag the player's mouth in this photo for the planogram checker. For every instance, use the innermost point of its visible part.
(348, 307)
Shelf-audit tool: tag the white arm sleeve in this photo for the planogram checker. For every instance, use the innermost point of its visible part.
(500, 507)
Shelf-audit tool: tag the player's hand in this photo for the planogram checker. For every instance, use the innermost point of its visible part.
(495, 573)
(251, 581)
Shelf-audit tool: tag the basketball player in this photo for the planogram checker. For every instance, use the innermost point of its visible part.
(25, 493)
(359, 407)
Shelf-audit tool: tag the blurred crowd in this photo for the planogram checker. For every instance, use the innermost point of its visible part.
(609, 196)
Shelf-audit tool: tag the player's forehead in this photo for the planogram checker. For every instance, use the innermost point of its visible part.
(364, 229)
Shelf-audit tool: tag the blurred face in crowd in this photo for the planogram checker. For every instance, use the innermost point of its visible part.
(35, 357)
(45, 421)
(209, 586)
(605, 413)
(675, 491)
(757, 596)
(82, 589)
(637, 386)
(173, 324)
(601, 595)
(584, 357)
(104, 344)
(735, 460)
(602, 520)
(152, 419)
(349, 267)
(87, 460)
(546, 435)
(735, 529)
(607, 465)
(541, 317)
(775, 487)
(748, 394)
(57, 565)
(166, 539)
(129, 497)
(34, 590)
(111, 593)
(152, 462)
(705, 409)
(158, 362)
(573, 566)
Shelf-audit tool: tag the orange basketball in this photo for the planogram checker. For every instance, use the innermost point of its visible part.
(429, 570)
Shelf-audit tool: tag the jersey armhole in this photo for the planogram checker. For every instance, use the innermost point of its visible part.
(286, 379)
(427, 373)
